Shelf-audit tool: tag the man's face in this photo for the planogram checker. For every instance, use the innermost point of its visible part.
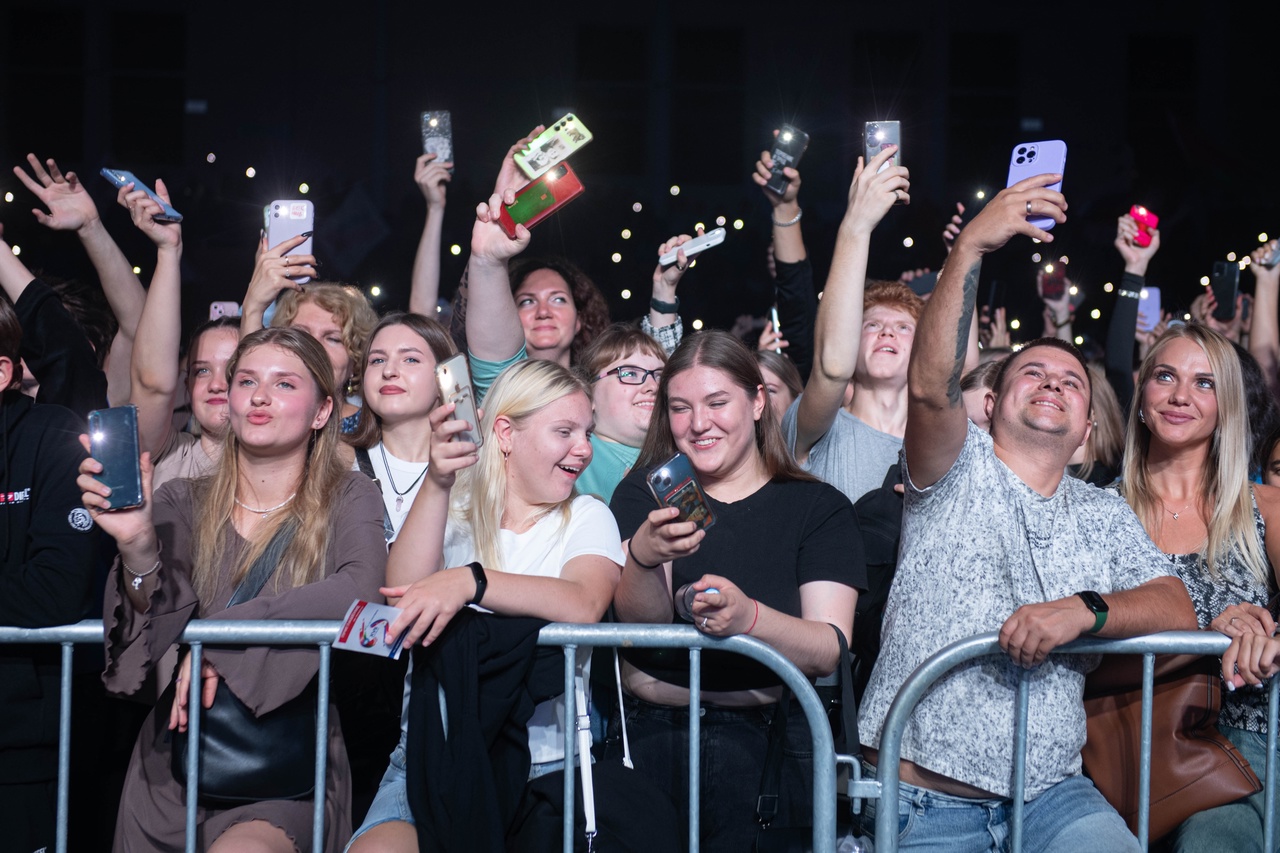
(1045, 392)
(885, 347)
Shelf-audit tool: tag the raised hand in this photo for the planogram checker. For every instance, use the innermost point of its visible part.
(143, 210)
(448, 454)
(70, 206)
(1136, 258)
(763, 173)
(431, 176)
(1008, 214)
(271, 270)
(873, 192)
(509, 175)
(771, 339)
(489, 243)
(952, 230)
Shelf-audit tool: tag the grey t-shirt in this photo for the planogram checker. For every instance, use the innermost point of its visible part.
(977, 545)
(852, 456)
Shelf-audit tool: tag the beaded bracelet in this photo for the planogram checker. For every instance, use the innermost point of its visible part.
(789, 222)
(136, 583)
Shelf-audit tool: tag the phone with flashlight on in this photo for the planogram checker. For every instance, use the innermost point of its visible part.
(540, 199)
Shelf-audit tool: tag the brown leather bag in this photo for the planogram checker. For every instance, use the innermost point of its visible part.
(1193, 766)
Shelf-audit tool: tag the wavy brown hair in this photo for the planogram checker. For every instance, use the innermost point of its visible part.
(588, 301)
(311, 511)
(354, 314)
(368, 430)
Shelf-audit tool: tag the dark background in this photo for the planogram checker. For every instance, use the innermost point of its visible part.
(1174, 111)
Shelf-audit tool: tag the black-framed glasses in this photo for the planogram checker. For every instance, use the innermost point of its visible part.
(629, 374)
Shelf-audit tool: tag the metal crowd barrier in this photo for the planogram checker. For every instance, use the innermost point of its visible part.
(321, 633)
(918, 683)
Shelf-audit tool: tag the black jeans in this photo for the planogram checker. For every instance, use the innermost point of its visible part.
(734, 742)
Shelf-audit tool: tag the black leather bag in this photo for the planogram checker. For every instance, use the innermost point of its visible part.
(244, 758)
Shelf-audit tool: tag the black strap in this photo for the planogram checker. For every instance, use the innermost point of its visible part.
(264, 566)
(838, 688)
(365, 464)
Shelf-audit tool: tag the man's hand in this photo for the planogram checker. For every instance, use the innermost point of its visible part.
(1034, 630)
(1008, 214)
(70, 207)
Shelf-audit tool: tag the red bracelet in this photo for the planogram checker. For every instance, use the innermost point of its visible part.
(757, 619)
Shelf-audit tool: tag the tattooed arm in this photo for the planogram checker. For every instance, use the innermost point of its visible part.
(936, 422)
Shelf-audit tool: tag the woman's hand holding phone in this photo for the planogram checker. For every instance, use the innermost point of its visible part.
(431, 176)
(663, 537)
(449, 456)
(1136, 258)
(489, 242)
(132, 528)
(764, 171)
(143, 210)
(271, 270)
(510, 177)
(874, 190)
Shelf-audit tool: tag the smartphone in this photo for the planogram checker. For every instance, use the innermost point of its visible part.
(224, 309)
(777, 326)
(113, 441)
(697, 245)
(1053, 285)
(923, 285)
(1038, 158)
(540, 199)
(286, 218)
(454, 380)
(437, 135)
(1148, 308)
(1146, 222)
(880, 134)
(1225, 282)
(1273, 257)
(551, 146)
(788, 148)
(121, 178)
(674, 484)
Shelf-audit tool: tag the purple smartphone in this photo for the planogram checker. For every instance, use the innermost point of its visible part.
(1038, 158)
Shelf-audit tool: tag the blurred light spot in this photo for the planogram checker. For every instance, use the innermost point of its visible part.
(250, 172)
(8, 196)
(137, 270)
(626, 294)
(720, 220)
(675, 190)
(1108, 287)
(1063, 260)
(1231, 256)
(1048, 268)
(1244, 263)
(1204, 280)
(210, 157)
(1015, 324)
(304, 188)
(697, 324)
(737, 224)
(455, 249)
(1073, 290)
(637, 207)
(1262, 238)
(1187, 317)
(908, 242)
(1143, 294)
(617, 257)
(1035, 239)
(693, 264)
(981, 194)
(17, 250)
(375, 291)
(1079, 340)
(626, 233)
(1095, 314)
(1035, 259)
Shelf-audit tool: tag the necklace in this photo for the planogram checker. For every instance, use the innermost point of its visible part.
(1171, 512)
(399, 494)
(265, 512)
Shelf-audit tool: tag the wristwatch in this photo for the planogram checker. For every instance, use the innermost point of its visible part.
(482, 582)
(1094, 602)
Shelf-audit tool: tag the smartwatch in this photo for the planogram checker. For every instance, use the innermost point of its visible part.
(1094, 602)
(482, 582)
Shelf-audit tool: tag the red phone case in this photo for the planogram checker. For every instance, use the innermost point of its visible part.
(541, 198)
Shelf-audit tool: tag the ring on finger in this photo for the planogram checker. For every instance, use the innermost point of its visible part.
(704, 622)
(1028, 208)
(897, 195)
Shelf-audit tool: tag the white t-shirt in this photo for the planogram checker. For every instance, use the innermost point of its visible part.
(403, 475)
(541, 551)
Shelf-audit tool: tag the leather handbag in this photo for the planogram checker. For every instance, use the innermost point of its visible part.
(246, 758)
(1193, 766)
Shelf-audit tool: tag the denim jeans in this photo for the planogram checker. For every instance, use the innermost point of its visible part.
(1069, 817)
(733, 746)
(1235, 827)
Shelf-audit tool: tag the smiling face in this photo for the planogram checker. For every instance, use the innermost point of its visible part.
(325, 328)
(1044, 392)
(399, 377)
(207, 379)
(1179, 398)
(885, 347)
(547, 313)
(713, 421)
(623, 411)
(274, 402)
(548, 451)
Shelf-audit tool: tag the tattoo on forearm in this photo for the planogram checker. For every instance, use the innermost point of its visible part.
(968, 297)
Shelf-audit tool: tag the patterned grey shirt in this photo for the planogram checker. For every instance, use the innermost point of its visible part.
(977, 545)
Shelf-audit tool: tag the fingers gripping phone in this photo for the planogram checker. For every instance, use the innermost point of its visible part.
(540, 199)
(1225, 283)
(673, 483)
(787, 150)
(1038, 158)
(284, 219)
(454, 381)
(121, 178)
(880, 135)
(553, 145)
(696, 246)
(113, 441)
(1147, 222)
(437, 135)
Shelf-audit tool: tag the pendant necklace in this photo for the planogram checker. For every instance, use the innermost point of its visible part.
(265, 512)
(392, 480)
(1175, 514)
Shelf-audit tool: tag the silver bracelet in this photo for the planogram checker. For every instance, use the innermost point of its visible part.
(1130, 293)
(136, 583)
(789, 222)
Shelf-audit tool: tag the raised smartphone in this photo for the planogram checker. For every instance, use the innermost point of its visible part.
(777, 326)
(120, 178)
(286, 218)
(223, 309)
(1225, 283)
(1038, 158)
(540, 199)
(113, 441)
(673, 484)
(1147, 221)
(553, 145)
(454, 381)
(1148, 308)
(788, 148)
(437, 135)
(697, 245)
(1053, 284)
(879, 135)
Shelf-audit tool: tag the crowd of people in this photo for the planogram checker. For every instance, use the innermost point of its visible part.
(894, 470)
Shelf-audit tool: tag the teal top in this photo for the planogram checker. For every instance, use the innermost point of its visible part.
(610, 462)
(484, 372)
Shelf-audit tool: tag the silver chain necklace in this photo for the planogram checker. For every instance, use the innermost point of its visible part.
(265, 512)
(392, 480)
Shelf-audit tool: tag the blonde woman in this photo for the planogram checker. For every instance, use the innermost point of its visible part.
(183, 554)
(1186, 475)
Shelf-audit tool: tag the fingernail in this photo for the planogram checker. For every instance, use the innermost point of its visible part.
(307, 233)
(1231, 688)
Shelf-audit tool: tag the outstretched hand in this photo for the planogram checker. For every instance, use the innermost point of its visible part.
(509, 175)
(764, 171)
(875, 188)
(489, 242)
(431, 175)
(1010, 213)
(143, 210)
(70, 206)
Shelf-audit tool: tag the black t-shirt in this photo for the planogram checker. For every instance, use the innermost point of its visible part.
(769, 544)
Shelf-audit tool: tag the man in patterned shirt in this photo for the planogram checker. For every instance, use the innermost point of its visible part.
(995, 537)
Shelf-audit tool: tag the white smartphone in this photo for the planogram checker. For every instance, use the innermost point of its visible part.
(1038, 158)
(223, 309)
(879, 135)
(777, 327)
(713, 237)
(454, 380)
(286, 218)
(437, 135)
(1148, 308)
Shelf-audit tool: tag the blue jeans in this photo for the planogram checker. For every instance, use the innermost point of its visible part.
(1235, 827)
(1069, 817)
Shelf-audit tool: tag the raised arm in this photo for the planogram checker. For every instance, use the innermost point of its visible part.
(1124, 317)
(424, 289)
(936, 422)
(838, 331)
(663, 320)
(154, 365)
(494, 331)
(272, 267)
(1264, 338)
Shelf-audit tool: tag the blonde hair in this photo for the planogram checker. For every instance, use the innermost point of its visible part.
(309, 511)
(519, 392)
(348, 305)
(1224, 480)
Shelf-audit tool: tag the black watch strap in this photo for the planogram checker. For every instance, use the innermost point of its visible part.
(665, 307)
(482, 582)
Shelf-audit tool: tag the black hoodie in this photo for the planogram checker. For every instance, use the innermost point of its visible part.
(48, 555)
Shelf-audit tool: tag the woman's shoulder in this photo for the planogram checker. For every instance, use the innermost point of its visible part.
(356, 487)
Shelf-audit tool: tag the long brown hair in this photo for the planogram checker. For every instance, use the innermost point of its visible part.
(722, 351)
(368, 430)
(310, 510)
